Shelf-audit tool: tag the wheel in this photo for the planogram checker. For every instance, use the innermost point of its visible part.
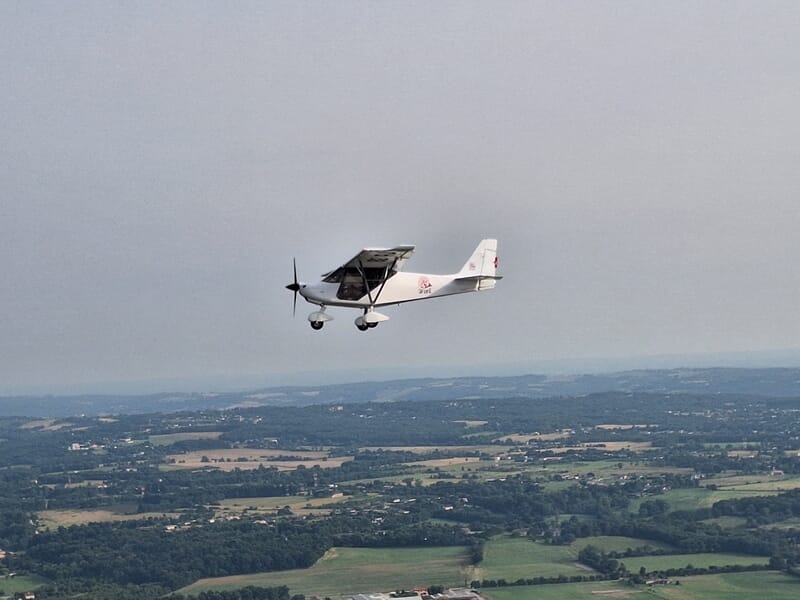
(363, 327)
(317, 324)
(371, 325)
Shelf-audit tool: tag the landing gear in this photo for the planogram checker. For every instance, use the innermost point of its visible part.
(317, 319)
(361, 324)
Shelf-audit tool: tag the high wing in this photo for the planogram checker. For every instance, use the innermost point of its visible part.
(380, 258)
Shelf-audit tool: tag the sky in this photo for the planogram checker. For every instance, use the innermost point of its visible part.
(162, 163)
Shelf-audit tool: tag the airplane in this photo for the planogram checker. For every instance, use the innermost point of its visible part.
(373, 278)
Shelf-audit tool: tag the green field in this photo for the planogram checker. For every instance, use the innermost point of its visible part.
(567, 591)
(704, 560)
(348, 571)
(694, 498)
(760, 585)
(19, 584)
(512, 558)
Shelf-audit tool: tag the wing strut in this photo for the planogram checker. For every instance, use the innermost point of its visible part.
(383, 283)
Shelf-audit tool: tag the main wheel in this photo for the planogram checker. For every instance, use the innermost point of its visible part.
(371, 325)
(317, 324)
(362, 327)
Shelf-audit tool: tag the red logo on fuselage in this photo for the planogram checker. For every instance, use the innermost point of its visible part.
(425, 285)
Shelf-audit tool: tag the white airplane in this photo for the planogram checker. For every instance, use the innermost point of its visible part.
(372, 278)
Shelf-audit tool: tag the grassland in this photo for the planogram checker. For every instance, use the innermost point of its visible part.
(347, 571)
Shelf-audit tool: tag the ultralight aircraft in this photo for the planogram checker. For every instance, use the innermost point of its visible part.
(373, 278)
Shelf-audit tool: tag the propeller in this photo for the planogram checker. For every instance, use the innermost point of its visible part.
(294, 286)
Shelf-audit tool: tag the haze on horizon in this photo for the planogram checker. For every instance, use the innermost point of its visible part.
(163, 163)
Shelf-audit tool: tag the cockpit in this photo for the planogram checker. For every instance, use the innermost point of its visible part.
(354, 283)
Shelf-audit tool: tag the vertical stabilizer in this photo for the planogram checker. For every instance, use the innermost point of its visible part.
(482, 265)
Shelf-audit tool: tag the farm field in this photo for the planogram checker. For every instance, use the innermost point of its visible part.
(489, 449)
(52, 519)
(348, 571)
(228, 459)
(270, 504)
(694, 498)
(769, 585)
(170, 438)
(617, 543)
(510, 558)
(703, 560)
(19, 584)
(596, 590)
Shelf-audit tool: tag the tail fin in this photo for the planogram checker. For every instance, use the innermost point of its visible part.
(482, 265)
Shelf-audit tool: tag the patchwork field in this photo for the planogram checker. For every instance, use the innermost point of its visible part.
(488, 449)
(348, 571)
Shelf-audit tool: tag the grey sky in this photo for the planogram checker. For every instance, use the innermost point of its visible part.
(163, 162)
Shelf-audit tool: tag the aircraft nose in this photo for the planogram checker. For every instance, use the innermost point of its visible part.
(295, 287)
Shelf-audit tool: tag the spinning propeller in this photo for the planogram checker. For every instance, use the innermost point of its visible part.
(294, 286)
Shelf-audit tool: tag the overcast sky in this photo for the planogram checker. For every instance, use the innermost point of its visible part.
(161, 164)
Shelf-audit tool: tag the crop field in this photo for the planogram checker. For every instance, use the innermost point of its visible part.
(489, 449)
(52, 519)
(511, 558)
(617, 543)
(270, 504)
(19, 584)
(756, 483)
(727, 586)
(770, 585)
(348, 571)
(228, 459)
(704, 560)
(170, 438)
(694, 498)
(567, 591)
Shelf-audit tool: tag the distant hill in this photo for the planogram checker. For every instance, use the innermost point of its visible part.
(764, 382)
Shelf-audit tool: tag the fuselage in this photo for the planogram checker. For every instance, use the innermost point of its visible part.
(400, 287)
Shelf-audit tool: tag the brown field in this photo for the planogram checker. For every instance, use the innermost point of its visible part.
(228, 459)
(491, 450)
(52, 519)
(268, 505)
(523, 438)
(444, 462)
(45, 424)
(472, 423)
(171, 438)
(606, 446)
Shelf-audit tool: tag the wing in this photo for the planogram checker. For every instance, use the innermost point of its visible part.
(380, 258)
